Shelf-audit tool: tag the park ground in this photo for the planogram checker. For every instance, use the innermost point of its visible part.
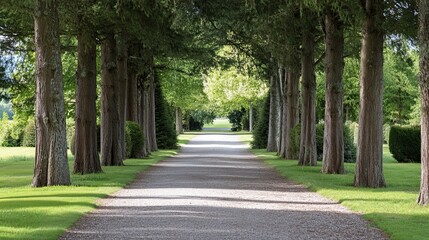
(45, 213)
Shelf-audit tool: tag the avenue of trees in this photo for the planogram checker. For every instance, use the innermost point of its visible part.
(109, 62)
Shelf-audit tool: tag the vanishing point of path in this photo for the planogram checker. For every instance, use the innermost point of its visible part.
(216, 189)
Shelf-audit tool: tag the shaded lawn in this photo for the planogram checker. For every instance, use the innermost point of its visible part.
(393, 209)
(45, 213)
(219, 123)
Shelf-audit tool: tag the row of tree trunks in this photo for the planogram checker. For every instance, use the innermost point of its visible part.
(423, 198)
(51, 165)
(369, 162)
(86, 156)
(111, 145)
(333, 147)
(308, 154)
(179, 119)
(131, 113)
(273, 118)
(251, 118)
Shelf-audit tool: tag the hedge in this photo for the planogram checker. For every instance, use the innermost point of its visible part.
(136, 140)
(404, 143)
(260, 130)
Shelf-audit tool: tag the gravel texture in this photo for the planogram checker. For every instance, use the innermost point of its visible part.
(216, 189)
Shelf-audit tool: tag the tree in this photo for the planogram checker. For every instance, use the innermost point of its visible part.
(86, 153)
(111, 148)
(369, 162)
(333, 147)
(51, 166)
(308, 153)
(423, 5)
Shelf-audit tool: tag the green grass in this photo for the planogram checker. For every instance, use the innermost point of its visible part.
(392, 209)
(219, 123)
(45, 213)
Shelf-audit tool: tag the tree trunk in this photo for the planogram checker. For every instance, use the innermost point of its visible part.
(250, 118)
(423, 198)
(86, 159)
(111, 145)
(51, 166)
(369, 162)
(272, 128)
(153, 144)
(283, 111)
(308, 153)
(179, 119)
(333, 147)
(131, 96)
(122, 63)
(292, 111)
(141, 111)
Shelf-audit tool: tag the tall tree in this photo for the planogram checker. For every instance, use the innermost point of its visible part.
(51, 166)
(333, 147)
(369, 162)
(423, 5)
(308, 153)
(273, 119)
(111, 148)
(86, 155)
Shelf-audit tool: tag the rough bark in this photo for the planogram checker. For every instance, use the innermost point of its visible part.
(152, 120)
(333, 147)
(272, 128)
(283, 110)
(423, 198)
(292, 111)
(111, 145)
(131, 96)
(369, 162)
(308, 153)
(122, 63)
(51, 166)
(86, 159)
(179, 119)
(251, 118)
(141, 111)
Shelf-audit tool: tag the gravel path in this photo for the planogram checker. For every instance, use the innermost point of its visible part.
(216, 189)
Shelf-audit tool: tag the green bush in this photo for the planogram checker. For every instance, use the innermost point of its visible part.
(245, 121)
(354, 131)
(134, 139)
(235, 118)
(29, 138)
(166, 136)
(12, 133)
(195, 125)
(260, 130)
(404, 143)
(349, 147)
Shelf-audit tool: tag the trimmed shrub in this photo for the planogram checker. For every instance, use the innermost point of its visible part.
(245, 121)
(349, 145)
(195, 125)
(260, 130)
(29, 138)
(134, 139)
(404, 143)
(235, 118)
(166, 136)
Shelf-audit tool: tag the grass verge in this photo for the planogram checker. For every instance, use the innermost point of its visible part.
(45, 213)
(392, 209)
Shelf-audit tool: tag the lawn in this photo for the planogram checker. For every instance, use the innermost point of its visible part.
(220, 123)
(393, 209)
(45, 213)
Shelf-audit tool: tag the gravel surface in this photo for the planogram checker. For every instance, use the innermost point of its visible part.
(216, 189)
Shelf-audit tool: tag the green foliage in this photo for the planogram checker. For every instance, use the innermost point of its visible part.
(136, 139)
(29, 139)
(166, 136)
(11, 132)
(260, 131)
(195, 125)
(235, 118)
(203, 116)
(245, 121)
(404, 143)
(386, 133)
